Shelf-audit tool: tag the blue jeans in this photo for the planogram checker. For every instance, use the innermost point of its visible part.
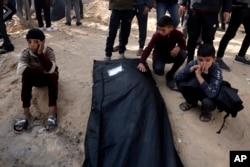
(172, 8)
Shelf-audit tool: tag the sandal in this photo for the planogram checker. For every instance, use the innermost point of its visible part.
(184, 106)
(21, 125)
(51, 123)
(205, 116)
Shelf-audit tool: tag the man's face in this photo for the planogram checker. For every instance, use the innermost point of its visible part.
(207, 61)
(33, 45)
(163, 31)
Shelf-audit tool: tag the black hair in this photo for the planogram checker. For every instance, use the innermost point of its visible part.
(35, 33)
(165, 21)
(206, 50)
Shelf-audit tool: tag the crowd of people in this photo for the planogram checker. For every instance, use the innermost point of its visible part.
(200, 78)
(42, 10)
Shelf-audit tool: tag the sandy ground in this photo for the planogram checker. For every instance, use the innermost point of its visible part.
(197, 143)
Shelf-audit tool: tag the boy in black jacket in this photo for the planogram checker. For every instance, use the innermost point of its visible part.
(200, 80)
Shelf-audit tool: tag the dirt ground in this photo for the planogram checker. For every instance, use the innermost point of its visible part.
(197, 143)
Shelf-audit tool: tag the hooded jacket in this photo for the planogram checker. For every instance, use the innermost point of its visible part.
(208, 5)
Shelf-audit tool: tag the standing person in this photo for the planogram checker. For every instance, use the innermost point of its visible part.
(38, 68)
(200, 80)
(81, 10)
(43, 6)
(169, 47)
(7, 46)
(162, 6)
(68, 6)
(203, 19)
(140, 10)
(121, 12)
(240, 15)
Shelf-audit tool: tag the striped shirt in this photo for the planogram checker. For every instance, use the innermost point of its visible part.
(28, 59)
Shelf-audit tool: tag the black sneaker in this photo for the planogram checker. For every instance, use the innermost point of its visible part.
(170, 81)
(68, 24)
(78, 23)
(241, 60)
(222, 64)
(6, 48)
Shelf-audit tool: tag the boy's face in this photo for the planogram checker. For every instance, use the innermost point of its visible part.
(163, 31)
(206, 61)
(33, 45)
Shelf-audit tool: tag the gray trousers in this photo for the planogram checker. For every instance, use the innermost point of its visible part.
(68, 5)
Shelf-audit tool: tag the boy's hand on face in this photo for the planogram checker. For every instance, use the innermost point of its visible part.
(41, 46)
(194, 68)
(204, 68)
(141, 67)
(198, 71)
(174, 52)
(200, 68)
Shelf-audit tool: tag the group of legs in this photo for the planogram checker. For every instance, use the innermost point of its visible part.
(78, 7)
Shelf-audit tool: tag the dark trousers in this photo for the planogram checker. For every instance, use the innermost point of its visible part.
(81, 7)
(200, 22)
(194, 94)
(117, 18)
(10, 10)
(159, 62)
(37, 78)
(142, 23)
(3, 31)
(43, 5)
(240, 15)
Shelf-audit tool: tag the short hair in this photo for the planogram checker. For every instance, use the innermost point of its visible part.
(165, 21)
(35, 33)
(206, 50)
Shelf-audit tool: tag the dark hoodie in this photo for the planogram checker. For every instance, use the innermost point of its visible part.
(208, 5)
(120, 4)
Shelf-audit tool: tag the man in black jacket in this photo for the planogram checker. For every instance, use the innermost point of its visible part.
(203, 18)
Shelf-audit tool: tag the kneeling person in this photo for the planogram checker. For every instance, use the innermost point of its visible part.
(169, 47)
(38, 68)
(200, 80)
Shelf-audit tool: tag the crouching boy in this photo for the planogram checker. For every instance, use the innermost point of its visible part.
(169, 46)
(38, 68)
(200, 80)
